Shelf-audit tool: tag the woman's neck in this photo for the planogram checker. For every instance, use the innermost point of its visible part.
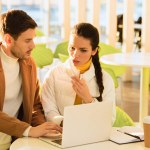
(85, 66)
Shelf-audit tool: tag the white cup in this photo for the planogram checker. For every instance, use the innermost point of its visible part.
(146, 126)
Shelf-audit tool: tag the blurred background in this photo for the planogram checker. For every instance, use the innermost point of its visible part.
(123, 24)
(50, 14)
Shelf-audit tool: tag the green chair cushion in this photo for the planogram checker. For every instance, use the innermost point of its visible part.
(122, 118)
(112, 74)
(42, 56)
(39, 32)
(63, 57)
(118, 70)
(61, 48)
(106, 49)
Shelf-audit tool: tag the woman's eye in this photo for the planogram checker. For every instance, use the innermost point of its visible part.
(72, 48)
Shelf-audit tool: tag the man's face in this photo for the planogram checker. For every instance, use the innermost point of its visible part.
(22, 47)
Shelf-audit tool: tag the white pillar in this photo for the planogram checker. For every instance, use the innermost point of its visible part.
(46, 22)
(128, 26)
(146, 26)
(9, 3)
(96, 14)
(81, 10)
(111, 26)
(128, 33)
(66, 25)
(0, 6)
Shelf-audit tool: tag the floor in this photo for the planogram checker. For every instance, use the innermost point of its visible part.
(127, 95)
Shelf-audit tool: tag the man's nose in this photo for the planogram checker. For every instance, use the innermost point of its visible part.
(32, 45)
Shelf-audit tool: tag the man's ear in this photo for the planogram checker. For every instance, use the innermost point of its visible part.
(94, 51)
(8, 39)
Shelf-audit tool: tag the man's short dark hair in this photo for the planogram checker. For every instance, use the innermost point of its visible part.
(14, 22)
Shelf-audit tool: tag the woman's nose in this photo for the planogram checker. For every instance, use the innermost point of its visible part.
(76, 53)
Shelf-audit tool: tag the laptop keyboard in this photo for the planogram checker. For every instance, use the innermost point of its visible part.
(59, 141)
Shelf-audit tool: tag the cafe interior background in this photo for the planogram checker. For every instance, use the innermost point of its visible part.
(122, 24)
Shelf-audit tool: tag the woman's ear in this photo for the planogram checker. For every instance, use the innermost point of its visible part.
(95, 51)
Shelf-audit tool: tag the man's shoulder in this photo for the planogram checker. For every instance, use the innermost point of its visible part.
(28, 61)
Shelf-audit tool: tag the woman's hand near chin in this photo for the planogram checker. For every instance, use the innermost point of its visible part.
(81, 89)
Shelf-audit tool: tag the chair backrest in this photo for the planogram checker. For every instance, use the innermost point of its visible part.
(39, 32)
(61, 48)
(106, 49)
(43, 56)
(63, 57)
(112, 74)
(122, 118)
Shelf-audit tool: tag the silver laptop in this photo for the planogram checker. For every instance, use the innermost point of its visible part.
(84, 124)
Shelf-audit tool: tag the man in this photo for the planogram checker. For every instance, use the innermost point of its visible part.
(20, 107)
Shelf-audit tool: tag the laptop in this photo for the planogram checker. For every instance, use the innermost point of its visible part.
(84, 124)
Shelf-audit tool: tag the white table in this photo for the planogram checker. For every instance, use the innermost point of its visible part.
(137, 60)
(45, 40)
(136, 26)
(36, 144)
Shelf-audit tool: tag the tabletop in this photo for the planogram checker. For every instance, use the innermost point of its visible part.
(36, 144)
(127, 59)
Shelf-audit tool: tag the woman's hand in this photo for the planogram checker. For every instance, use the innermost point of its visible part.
(81, 89)
(45, 129)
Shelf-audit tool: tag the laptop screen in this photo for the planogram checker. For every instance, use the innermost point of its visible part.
(83, 124)
(87, 123)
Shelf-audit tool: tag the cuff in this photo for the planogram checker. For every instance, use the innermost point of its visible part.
(94, 100)
(26, 132)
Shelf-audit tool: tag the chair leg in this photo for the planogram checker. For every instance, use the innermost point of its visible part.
(119, 96)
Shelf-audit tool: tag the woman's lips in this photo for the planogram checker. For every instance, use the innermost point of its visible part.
(75, 61)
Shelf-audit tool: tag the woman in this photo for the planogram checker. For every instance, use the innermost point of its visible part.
(80, 79)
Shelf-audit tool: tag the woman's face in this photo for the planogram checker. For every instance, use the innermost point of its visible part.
(80, 50)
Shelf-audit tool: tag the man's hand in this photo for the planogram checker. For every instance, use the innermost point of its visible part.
(45, 129)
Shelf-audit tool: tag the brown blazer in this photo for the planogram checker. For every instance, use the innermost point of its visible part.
(31, 112)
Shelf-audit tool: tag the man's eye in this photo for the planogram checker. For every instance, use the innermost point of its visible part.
(83, 50)
(27, 41)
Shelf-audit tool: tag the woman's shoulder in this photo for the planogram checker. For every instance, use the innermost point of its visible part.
(58, 68)
(107, 75)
